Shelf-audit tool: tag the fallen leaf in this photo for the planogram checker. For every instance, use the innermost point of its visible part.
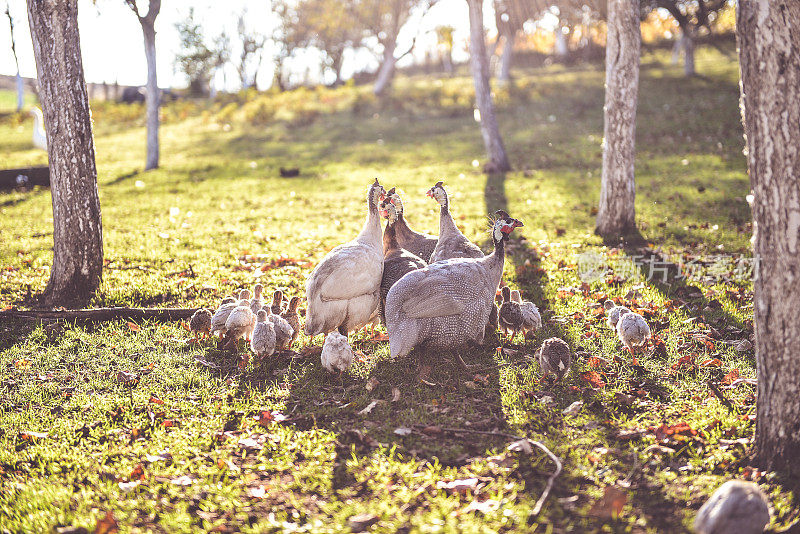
(107, 525)
(432, 430)
(715, 362)
(258, 492)
(626, 435)
(128, 379)
(594, 379)
(485, 507)
(729, 378)
(395, 394)
(402, 431)
(137, 473)
(459, 486)
(32, 436)
(133, 326)
(371, 383)
(161, 456)
(128, 486)
(610, 505)
(250, 444)
(743, 346)
(573, 408)
(369, 407)
(155, 400)
(361, 522)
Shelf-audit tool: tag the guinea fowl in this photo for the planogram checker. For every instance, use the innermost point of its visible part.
(293, 318)
(277, 302)
(531, 318)
(200, 323)
(397, 261)
(421, 245)
(263, 341)
(555, 357)
(337, 355)
(447, 304)
(240, 322)
(343, 291)
(510, 316)
(222, 313)
(452, 243)
(283, 331)
(735, 507)
(613, 311)
(257, 302)
(632, 329)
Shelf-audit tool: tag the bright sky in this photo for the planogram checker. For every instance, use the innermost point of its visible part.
(112, 46)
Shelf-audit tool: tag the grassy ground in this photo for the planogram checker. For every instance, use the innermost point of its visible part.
(198, 444)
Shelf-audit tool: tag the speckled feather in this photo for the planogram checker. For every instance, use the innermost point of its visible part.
(555, 357)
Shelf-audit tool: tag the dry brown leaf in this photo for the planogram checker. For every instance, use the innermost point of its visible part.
(107, 525)
(133, 326)
(610, 505)
(372, 383)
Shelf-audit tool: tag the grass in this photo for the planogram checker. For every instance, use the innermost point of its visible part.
(217, 217)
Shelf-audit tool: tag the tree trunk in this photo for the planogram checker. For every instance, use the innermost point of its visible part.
(78, 234)
(386, 72)
(153, 95)
(769, 55)
(561, 47)
(505, 62)
(498, 161)
(688, 52)
(616, 216)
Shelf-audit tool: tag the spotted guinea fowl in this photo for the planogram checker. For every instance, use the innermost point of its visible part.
(510, 317)
(446, 305)
(277, 302)
(337, 355)
(452, 243)
(200, 323)
(531, 318)
(421, 245)
(263, 341)
(555, 357)
(343, 291)
(397, 261)
(224, 310)
(632, 329)
(293, 318)
(735, 507)
(257, 302)
(613, 312)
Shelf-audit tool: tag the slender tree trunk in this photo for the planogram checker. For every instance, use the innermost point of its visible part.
(617, 216)
(78, 234)
(505, 62)
(561, 47)
(153, 95)
(688, 52)
(387, 69)
(498, 161)
(769, 56)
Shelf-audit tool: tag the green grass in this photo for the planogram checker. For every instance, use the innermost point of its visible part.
(218, 206)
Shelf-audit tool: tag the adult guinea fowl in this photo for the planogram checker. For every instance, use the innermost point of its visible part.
(452, 243)
(343, 291)
(397, 261)
(446, 305)
(421, 245)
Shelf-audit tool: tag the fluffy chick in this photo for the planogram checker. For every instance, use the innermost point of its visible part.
(257, 302)
(263, 341)
(613, 311)
(283, 330)
(510, 317)
(337, 355)
(531, 318)
(240, 323)
(293, 318)
(277, 302)
(221, 315)
(555, 357)
(632, 329)
(200, 323)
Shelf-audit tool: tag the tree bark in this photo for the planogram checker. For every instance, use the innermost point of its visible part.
(616, 216)
(505, 62)
(687, 41)
(387, 69)
(78, 234)
(498, 160)
(769, 55)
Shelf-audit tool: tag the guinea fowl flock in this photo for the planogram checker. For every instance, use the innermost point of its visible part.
(431, 293)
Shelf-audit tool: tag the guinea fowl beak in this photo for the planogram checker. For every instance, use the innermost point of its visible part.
(517, 223)
(429, 193)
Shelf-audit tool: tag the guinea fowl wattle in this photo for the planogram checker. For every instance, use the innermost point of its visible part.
(446, 305)
(452, 243)
(421, 245)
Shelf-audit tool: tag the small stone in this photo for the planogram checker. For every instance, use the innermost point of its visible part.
(736, 506)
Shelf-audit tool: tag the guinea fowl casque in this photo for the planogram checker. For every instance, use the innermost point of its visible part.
(343, 291)
(397, 261)
(446, 305)
(337, 355)
(421, 245)
(613, 311)
(555, 357)
(632, 329)
(221, 314)
(510, 315)
(531, 318)
(293, 318)
(452, 243)
(263, 341)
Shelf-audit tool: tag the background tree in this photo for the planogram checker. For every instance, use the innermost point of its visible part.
(251, 55)
(445, 43)
(153, 95)
(196, 60)
(498, 160)
(20, 86)
(383, 20)
(77, 234)
(769, 55)
(510, 16)
(287, 37)
(617, 215)
(222, 55)
(691, 16)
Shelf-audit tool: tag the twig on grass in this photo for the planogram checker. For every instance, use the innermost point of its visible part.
(549, 486)
(721, 396)
(101, 314)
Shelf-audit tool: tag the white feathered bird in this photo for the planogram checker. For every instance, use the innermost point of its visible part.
(343, 292)
(337, 355)
(263, 341)
(283, 330)
(531, 318)
(632, 329)
(613, 311)
(240, 323)
(39, 134)
(221, 315)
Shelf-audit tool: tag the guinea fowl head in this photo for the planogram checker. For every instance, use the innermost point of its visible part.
(277, 297)
(506, 294)
(376, 192)
(257, 290)
(608, 304)
(392, 196)
(388, 210)
(294, 303)
(438, 193)
(244, 294)
(262, 316)
(503, 225)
